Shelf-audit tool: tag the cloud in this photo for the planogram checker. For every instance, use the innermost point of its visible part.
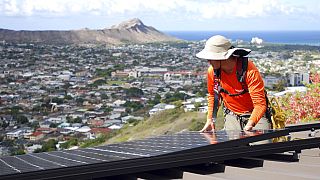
(201, 9)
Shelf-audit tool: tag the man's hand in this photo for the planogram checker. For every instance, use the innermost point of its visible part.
(249, 126)
(209, 126)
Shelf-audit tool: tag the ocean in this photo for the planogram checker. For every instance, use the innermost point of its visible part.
(279, 37)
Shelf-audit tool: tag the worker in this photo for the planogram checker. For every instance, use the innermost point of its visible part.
(236, 80)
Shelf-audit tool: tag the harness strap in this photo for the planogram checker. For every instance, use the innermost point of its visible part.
(242, 66)
(216, 95)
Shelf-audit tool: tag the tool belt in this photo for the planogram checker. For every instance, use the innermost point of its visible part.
(242, 118)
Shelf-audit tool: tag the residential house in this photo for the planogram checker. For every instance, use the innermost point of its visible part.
(16, 134)
(36, 136)
(189, 107)
(115, 126)
(31, 149)
(95, 132)
(56, 120)
(203, 109)
(291, 90)
(298, 79)
(126, 118)
(160, 107)
(46, 130)
(270, 81)
(118, 103)
(45, 124)
(95, 122)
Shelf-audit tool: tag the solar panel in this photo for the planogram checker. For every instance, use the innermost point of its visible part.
(146, 148)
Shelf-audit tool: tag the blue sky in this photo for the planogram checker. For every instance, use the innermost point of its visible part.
(165, 15)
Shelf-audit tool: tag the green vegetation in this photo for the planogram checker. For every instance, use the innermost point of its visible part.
(57, 100)
(98, 82)
(115, 82)
(165, 122)
(48, 146)
(133, 92)
(175, 97)
(69, 143)
(155, 100)
(18, 152)
(94, 142)
(132, 106)
(73, 120)
(103, 72)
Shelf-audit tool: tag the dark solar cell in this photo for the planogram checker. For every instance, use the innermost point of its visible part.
(7, 168)
(40, 162)
(20, 164)
(81, 153)
(75, 157)
(63, 161)
(109, 153)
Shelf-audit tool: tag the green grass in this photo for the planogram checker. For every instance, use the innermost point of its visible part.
(165, 122)
(115, 82)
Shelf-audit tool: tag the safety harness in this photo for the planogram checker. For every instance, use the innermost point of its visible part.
(274, 113)
(242, 66)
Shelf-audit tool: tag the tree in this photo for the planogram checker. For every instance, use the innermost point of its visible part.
(197, 105)
(107, 109)
(22, 119)
(57, 100)
(104, 96)
(279, 86)
(133, 106)
(77, 120)
(134, 92)
(178, 103)
(34, 125)
(68, 97)
(307, 57)
(53, 125)
(69, 143)
(99, 82)
(18, 152)
(4, 124)
(175, 97)
(79, 101)
(15, 110)
(49, 146)
(155, 100)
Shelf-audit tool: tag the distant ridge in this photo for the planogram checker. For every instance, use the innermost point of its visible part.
(131, 31)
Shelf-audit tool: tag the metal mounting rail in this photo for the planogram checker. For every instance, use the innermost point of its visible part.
(304, 127)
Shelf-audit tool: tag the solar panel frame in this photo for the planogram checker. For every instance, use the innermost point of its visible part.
(168, 161)
(183, 144)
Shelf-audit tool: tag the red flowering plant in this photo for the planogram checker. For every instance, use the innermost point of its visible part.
(303, 107)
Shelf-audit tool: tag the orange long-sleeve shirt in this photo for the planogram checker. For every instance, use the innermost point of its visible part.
(253, 102)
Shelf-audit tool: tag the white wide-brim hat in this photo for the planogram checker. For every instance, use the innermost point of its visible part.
(220, 48)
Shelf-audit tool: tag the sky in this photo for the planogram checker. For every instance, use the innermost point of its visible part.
(164, 15)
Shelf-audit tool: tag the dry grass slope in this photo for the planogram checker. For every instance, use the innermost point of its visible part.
(165, 122)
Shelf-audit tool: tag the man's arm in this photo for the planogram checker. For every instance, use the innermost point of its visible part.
(256, 91)
(211, 97)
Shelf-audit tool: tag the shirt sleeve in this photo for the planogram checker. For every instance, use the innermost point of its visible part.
(256, 91)
(210, 86)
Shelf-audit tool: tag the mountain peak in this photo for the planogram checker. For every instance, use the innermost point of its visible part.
(131, 31)
(132, 23)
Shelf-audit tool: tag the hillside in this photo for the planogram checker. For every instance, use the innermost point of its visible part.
(165, 122)
(131, 31)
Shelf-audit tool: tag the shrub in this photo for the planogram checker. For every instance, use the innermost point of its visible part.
(304, 107)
